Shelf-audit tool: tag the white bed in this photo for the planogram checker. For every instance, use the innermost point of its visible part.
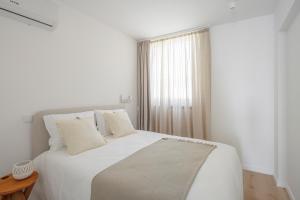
(65, 177)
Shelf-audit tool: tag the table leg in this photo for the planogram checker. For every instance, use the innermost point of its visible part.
(18, 196)
(7, 197)
(27, 191)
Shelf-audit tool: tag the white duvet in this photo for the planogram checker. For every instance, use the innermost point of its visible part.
(65, 177)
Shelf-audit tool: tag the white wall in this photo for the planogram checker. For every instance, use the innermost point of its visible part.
(282, 11)
(280, 109)
(81, 63)
(243, 90)
(293, 114)
(287, 62)
(285, 13)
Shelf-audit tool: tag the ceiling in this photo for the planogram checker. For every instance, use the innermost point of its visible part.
(149, 18)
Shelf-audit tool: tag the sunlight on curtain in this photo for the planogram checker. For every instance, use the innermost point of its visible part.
(179, 74)
(171, 72)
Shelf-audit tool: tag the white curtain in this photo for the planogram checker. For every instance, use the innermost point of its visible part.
(179, 74)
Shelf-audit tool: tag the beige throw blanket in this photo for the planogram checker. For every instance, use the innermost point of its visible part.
(164, 170)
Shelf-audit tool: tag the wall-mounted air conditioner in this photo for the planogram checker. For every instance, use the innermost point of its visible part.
(41, 13)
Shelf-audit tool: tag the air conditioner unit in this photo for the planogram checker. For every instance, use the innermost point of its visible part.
(41, 13)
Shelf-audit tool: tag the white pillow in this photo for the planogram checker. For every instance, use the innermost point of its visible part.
(80, 135)
(119, 123)
(55, 140)
(101, 123)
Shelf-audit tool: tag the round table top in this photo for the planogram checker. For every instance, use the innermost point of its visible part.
(8, 185)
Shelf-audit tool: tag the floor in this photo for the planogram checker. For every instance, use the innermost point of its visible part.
(262, 187)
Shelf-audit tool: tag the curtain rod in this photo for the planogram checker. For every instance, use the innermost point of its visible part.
(175, 34)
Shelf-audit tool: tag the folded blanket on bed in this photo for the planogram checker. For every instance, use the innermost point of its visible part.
(164, 170)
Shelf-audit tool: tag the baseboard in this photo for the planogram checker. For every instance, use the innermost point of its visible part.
(284, 184)
(258, 169)
(290, 193)
(280, 183)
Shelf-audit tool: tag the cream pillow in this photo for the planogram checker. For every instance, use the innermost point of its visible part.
(101, 122)
(119, 123)
(80, 135)
(55, 141)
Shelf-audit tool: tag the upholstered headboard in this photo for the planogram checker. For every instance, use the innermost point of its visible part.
(40, 136)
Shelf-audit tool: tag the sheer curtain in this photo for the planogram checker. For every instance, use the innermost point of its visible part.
(179, 85)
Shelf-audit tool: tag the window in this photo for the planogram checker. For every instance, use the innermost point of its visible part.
(174, 84)
(171, 71)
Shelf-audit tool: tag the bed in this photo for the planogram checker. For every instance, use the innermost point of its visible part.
(65, 177)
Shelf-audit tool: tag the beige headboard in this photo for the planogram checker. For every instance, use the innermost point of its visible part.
(40, 136)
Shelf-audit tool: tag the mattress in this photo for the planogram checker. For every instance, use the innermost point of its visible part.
(65, 177)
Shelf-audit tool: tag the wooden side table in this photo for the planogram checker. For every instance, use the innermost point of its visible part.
(11, 189)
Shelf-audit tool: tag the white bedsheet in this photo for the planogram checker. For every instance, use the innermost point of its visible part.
(65, 177)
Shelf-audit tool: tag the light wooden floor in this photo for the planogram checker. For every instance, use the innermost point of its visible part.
(262, 187)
